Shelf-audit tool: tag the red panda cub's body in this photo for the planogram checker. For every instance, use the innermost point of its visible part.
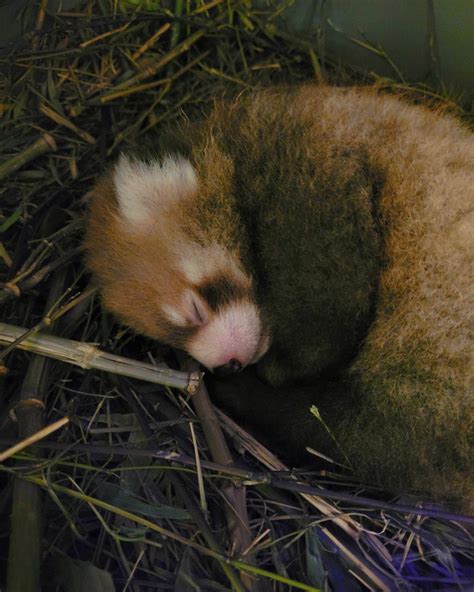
(319, 232)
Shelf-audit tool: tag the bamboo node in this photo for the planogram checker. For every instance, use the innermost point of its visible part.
(88, 353)
(50, 142)
(13, 289)
(32, 402)
(193, 382)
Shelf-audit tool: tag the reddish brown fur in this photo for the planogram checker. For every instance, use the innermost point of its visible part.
(124, 250)
(333, 204)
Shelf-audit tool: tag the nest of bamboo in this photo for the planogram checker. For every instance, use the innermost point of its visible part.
(117, 472)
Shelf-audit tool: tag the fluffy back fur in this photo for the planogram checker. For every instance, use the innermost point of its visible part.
(344, 221)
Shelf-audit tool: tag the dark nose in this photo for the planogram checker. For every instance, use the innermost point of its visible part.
(231, 367)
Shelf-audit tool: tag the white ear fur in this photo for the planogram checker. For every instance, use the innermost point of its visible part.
(143, 187)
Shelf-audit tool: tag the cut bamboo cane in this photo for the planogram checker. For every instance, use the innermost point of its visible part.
(44, 144)
(88, 356)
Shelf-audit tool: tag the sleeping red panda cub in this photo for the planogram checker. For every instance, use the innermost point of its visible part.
(326, 234)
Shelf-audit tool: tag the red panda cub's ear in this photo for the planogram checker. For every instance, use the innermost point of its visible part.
(143, 188)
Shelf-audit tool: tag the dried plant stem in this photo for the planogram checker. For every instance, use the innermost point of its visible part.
(237, 516)
(178, 11)
(43, 324)
(41, 14)
(255, 477)
(88, 356)
(39, 21)
(150, 42)
(152, 68)
(210, 422)
(38, 254)
(130, 91)
(59, 119)
(346, 523)
(51, 316)
(189, 501)
(168, 534)
(25, 528)
(105, 35)
(75, 109)
(207, 533)
(86, 295)
(39, 275)
(208, 6)
(27, 503)
(16, 286)
(118, 73)
(36, 437)
(44, 144)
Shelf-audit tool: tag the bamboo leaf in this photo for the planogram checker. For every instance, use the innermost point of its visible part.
(11, 220)
(112, 494)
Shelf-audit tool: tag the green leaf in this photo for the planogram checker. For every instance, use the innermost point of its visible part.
(317, 574)
(11, 220)
(116, 496)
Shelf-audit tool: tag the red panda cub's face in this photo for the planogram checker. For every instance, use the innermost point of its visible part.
(159, 271)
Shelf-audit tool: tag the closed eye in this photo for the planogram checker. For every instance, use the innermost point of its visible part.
(199, 314)
(197, 310)
(192, 312)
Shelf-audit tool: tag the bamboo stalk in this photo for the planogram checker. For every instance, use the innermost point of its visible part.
(113, 96)
(60, 120)
(191, 505)
(178, 11)
(346, 523)
(25, 552)
(208, 6)
(104, 35)
(39, 22)
(43, 144)
(74, 70)
(36, 437)
(151, 41)
(152, 68)
(254, 477)
(26, 524)
(209, 536)
(166, 533)
(15, 287)
(236, 511)
(88, 356)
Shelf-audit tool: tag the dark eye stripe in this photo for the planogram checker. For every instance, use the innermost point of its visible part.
(220, 291)
(177, 336)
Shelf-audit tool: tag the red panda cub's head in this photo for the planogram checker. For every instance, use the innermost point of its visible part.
(164, 272)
